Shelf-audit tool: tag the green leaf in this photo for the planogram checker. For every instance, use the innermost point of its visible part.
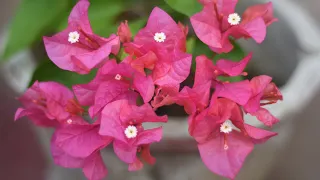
(200, 49)
(236, 54)
(47, 71)
(231, 79)
(32, 20)
(136, 25)
(191, 42)
(102, 15)
(187, 7)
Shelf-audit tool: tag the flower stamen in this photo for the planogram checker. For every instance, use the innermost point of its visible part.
(74, 37)
(131, 132)
(160, 37)
(234, 19)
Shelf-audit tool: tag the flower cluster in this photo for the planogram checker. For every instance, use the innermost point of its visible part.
(125, 93)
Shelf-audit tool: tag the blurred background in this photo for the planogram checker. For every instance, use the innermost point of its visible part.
(290, 54)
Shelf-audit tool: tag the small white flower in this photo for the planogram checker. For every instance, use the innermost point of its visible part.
(226, 127)
(117, 77)
(131, 132)
(159, 37)
(234, 19)
(69, 121)
(74, 37)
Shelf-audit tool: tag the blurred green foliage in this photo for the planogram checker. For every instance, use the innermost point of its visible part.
(37, 18)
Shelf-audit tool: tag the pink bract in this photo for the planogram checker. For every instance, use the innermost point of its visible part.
(118, 116)
(212, 27)
(49, 104)
(111, 82)
(78, 146)
(224, 153)
(88, 52)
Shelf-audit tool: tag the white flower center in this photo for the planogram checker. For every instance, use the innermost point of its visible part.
(117, 77)
(73, 37)
(69, 121)
(159, 37)
(131, 132)
(226, 127)
(234, 19)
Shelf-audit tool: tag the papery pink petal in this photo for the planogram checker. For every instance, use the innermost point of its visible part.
(149, 136)
(60, 53)
(258, 135)
(94, 167)
(79, 15)
(136, 165)
(107, 92)
(37, 116)
(140, 114)
(232, 68)
(91, 59)
(61, 158)
(178, 71)
(124, 151)
(260, 10)
(85, 93)
(239, 92)
(228, 162)
(226, 7)
(144, 85)
(202, 126)
(80, 140)
(265, 117)
(256, 29)
(207, 27)
(110, 121)
(194, 99)
(204, 71)
(159, 21)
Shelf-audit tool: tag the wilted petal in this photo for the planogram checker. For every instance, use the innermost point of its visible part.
(265, 117)
(124, 32)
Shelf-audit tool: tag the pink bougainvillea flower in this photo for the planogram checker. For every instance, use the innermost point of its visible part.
(218, 21)
(78, 146)
(124, 32)
(168, 67)
(113, 81)
(77, 48)
(48, 104)
(260, 10)
(224, 140)
(264, 92)
(161, 31)
(123, 122)
(207, 72)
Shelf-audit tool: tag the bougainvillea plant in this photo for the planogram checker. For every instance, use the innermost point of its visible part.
(127, 89)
